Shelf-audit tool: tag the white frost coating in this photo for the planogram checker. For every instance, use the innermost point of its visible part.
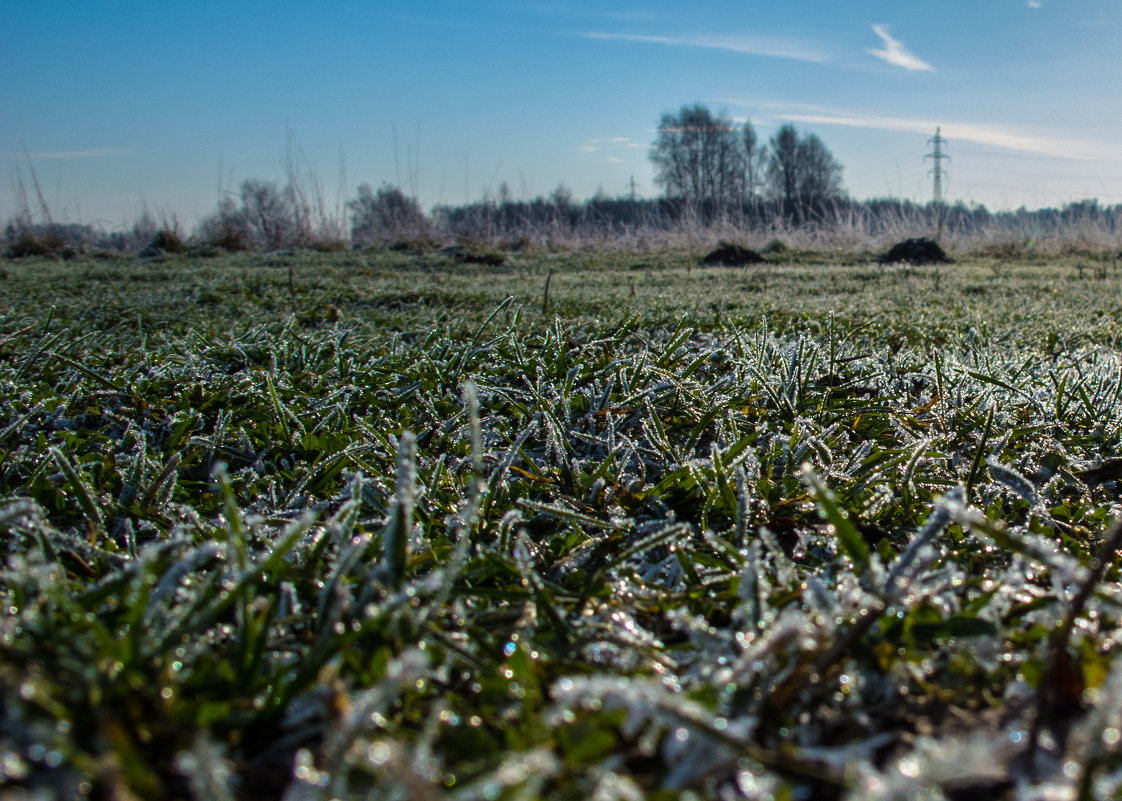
(946, 763)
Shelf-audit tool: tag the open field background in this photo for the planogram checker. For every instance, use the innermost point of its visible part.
(321, 526)
(373, 294)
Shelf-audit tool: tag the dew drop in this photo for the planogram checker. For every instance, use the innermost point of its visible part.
(378, 753)
(909, 766)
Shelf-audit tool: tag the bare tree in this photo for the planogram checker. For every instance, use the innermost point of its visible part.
(561, 198)
(801, 171)
(755, 161)
(783, 164)
(820, 174)
(698, 158)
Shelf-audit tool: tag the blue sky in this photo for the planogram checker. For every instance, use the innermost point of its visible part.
(126, 105)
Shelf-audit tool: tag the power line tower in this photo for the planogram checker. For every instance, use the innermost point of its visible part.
(938, 141)
(938, 172)
(634, 193)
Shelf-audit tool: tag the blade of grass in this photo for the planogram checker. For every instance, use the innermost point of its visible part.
(849, 538)
(85, 497)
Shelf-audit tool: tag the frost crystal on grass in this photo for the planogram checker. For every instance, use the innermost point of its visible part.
(460, 550)
(1004, 474)
(974, 761)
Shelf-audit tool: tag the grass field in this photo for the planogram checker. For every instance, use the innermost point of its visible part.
(385, 525)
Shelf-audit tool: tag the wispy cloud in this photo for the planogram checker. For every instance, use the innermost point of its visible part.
(1035, 3)
(611, 140)
(798, 49)
(92, 153)
(895, 53)
(1001, 136)
(608, 146)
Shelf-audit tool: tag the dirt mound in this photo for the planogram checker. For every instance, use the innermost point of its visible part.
(920, 250)
(462, 255)
(730, 255)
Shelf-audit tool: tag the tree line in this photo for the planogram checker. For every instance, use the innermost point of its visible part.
(708, 162)
(710, 170)
(707, 165)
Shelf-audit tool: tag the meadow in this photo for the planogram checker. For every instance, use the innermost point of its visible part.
(566, 525)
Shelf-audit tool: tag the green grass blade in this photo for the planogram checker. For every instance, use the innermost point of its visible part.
(849, 538)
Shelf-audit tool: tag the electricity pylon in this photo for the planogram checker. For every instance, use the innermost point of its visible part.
(938, 141)
(937, 171)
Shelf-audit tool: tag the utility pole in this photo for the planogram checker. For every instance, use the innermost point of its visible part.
(937, 171)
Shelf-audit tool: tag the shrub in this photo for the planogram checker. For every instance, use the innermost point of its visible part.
(163, 241)
(226, 228)
(385, 215)
(24, 243)
(267, 218)
(65, 241)
(271, 215)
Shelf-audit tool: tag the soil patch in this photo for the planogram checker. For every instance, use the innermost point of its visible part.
(462, 255)
(920, 250)
(730, 255)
